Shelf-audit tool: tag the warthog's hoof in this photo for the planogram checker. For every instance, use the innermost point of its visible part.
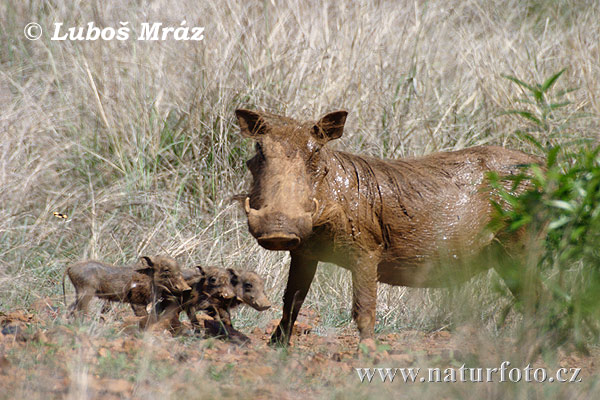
(219, 330)
(279, 339)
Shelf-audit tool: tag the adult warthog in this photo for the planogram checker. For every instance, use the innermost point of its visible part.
(418, 222)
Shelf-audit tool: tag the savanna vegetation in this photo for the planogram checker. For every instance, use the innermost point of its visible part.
(137, 144)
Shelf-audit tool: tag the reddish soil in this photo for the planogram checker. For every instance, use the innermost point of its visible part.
(44, 355)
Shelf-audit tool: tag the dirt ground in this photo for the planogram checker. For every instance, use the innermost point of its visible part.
(45, 355)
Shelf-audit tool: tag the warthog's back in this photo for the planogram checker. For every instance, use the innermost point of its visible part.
(432, 212)
(106, 280)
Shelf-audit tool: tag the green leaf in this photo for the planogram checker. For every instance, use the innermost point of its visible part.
(526, 137)
(510, 198)
(538, 94)
(554, 106)
(539, 175)
(552, 156)
(520, 222)
(518, 82)
(561, 93)
(526, 101)
(562, 205)
(559, 222)
(578, 232)
(497, 207)
(550, 81)
(526, 114)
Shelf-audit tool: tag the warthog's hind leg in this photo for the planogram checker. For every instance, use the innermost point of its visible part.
(516, 264)
(364, 294)
(83, 298)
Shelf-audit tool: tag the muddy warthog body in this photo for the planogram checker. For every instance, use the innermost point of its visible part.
(415, 222)
(138, 285)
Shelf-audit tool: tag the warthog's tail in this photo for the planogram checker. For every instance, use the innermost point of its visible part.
(63, 285)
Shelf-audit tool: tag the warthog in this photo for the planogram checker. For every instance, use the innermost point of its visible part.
(150, 279)
(419, 222)
(249, 289)
(210, 286)
(210, 291)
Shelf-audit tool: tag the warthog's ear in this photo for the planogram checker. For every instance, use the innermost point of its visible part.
(201, 270)
(251, 123)
(146, 266)
(146, 262)
(330, 127)
(233, 276)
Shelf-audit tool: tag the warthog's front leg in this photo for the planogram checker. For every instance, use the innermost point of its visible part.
(302, 272)
(364, 294)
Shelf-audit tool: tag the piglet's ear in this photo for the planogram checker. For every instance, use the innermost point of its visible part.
(251, 123)
(233, 276)
(146, 271)
(146, 262)
(200, 269)
(330, 127)
(145, 266)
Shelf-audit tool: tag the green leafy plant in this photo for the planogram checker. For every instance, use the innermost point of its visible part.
(560, 208)
(543, 112)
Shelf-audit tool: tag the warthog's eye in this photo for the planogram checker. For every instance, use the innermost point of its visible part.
(313, 158)
(247, 286)
(212, 280)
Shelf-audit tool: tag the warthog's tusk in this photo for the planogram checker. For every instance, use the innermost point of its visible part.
(316, 205)
(247, 205)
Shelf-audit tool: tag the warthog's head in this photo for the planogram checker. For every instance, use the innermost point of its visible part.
(217, 282)
(165, 273)
(286, 171)
(250, 289)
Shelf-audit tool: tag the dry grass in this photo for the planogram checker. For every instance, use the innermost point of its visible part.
(136, 140)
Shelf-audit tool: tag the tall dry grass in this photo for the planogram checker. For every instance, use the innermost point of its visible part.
(136, 141)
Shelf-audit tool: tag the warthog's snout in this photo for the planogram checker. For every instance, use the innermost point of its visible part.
(185, 288)
(279, 241)
(276, 230)
(227, 293)
(261, 304)
(180, 286)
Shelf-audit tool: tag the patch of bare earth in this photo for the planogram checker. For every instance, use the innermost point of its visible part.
(44, 355)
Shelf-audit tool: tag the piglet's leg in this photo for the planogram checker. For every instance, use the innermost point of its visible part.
(83, 299)
(225, 315)
(139, 310)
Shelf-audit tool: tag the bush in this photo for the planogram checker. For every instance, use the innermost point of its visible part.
(562, 209)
